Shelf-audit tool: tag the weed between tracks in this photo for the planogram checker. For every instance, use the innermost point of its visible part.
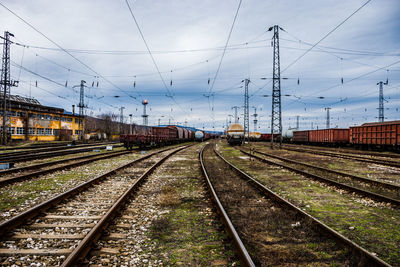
(272, 234)
(189, 234)
(374, 226)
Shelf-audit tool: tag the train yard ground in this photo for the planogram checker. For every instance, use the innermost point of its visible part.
(157, 208)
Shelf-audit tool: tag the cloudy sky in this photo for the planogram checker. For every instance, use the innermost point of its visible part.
(99, 42)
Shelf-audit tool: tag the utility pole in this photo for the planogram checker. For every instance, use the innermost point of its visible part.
(81, 106)
(381, 99)
(230, 118)
(246, 109)
(145, 116)
(276, 118)
(236, 115)
(255, 119)
(328, 118)
(297, 122)
(130, 123)
(6, 83)
(121, 119)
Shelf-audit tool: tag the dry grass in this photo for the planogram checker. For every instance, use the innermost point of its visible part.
(169, 196)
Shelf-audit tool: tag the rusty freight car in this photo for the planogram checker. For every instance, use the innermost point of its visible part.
(380, 134)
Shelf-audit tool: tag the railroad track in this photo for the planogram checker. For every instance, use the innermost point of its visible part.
(47, 149)
(66, 227)
(377, 190)
(347, 151)
(269, 230)
(35, 155)
(31, 171)
(346, 156)
(49, 145)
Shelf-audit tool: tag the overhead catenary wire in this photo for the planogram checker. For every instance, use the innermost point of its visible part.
(170, 94)
(226, 44)
(60, 47)
(325, 36)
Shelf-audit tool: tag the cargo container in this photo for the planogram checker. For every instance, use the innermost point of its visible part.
(329, 136)
(300, 136)
(384, 134)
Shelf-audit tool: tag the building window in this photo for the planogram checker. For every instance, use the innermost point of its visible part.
(48, 117)
(32, 115)
(41, 116)
(40, 131)
(56, 118)
(31, 131)
(76, 120)
(48, 131)
(69, 119)
(11, 130)
(56, 132)
(20, 130)
(78, 132)
(63, 119)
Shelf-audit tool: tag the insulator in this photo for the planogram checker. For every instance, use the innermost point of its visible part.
(66, 83)
(97, 85)
(170, 84)
(208, 81)
(298, 81)
(134, 84)
(342, 80)
(92, 83)
(36, 83)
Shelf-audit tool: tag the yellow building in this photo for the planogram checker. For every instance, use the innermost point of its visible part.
(29, 120)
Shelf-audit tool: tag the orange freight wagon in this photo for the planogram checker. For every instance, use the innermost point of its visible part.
(300, 136)
(329, 136)
(383, 134)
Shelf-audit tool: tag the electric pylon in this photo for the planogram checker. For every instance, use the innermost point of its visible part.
(328, 118)
(381, 99)
(246, 109)
(276, 117)
(6, 83)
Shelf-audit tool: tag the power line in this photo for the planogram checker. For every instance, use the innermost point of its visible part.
(326, 35)
(226, 44)
(60, 47)
(148, 49)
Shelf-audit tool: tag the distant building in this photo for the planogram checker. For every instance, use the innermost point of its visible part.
(29, 120)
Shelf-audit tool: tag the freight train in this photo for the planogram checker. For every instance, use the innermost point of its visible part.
(385, 135)
(143, 136)
(235, 134)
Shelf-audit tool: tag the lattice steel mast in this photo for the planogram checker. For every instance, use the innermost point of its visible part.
(6, 83)
(381, 99)
(246, 109)
(276, 117)
(81, 106)
(328, 118)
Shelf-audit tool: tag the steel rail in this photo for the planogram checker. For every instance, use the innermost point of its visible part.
(19, 219)
(242, 251)
(49, 149)
(83, 160)
(347, 151)
(375, 196)
(45, 164)
(33, 155)
(353, 157)
(355, 177)
(357, 250)
(79, 253)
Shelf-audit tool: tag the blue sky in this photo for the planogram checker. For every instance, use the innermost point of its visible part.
(188, 37)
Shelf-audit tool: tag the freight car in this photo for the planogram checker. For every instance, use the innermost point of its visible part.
(143, 136)
(333, 136)
(235, 134)
(384, 135)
